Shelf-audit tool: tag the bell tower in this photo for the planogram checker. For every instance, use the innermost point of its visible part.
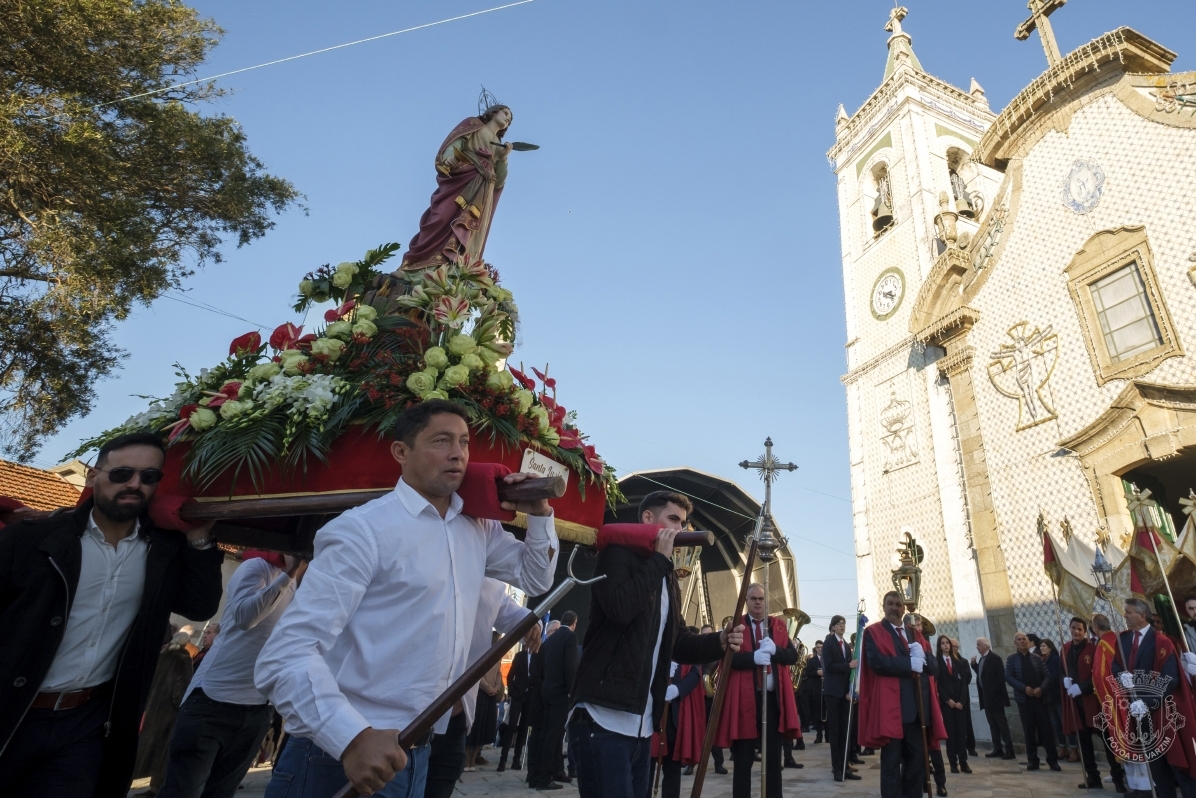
(900, 160)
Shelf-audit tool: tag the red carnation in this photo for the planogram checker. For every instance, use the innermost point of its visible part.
(249, 342)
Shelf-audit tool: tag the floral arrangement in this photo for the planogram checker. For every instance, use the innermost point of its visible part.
(392, 341)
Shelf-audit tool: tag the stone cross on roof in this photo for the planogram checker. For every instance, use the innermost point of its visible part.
(1040, 12)
(895, 16)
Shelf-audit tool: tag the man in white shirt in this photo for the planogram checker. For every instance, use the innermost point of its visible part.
(223, 717)
(85, 602)
(384, 622)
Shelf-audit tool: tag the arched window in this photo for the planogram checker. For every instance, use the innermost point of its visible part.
(882, 206)
(967, 203)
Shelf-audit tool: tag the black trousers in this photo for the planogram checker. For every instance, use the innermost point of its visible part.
(516, 731)
(56, 753)
(956, 721)
(902, 765)
(549, 759)
(1170, 782)
(809, 706)
(936, 767)
(535, 722)
(1036, 724)
(743, 755)
(213, 746)
(967, 713)
(715, 752)
(998, 728)
(838, 711)
(446, 760)
(670, 771)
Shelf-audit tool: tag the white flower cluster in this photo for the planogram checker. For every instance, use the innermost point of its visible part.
(160, 409)
(313, 394)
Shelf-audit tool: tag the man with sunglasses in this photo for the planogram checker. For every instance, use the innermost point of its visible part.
(85, 602)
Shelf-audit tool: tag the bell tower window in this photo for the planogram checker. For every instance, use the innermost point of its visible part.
(966, 202)
(882, 207)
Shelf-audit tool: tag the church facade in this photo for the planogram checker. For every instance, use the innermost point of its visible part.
(1021, 320)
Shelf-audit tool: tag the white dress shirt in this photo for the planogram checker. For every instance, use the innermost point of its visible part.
(496, 611)
(111, 580)
(258, 593)
(386, 615)
(626, 723)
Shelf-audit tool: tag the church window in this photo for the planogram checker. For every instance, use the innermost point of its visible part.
(882, 206)
(1127, 328)
(1126, 320)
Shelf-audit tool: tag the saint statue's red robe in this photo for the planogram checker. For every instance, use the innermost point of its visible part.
(691, 724)
(739, 721)
(880, 697)
(1076, 719)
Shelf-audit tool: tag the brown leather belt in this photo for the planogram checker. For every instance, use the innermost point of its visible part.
(63, 700)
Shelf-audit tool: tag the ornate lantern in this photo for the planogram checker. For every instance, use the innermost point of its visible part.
(1102, 571)
(907, 578)
(685, 559)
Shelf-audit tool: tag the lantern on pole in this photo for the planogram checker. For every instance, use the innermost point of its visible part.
(907, 577)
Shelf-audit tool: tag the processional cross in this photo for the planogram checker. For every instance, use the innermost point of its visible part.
(766, 546)
(1040, 12)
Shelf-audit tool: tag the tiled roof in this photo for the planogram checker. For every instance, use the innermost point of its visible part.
(38, 489)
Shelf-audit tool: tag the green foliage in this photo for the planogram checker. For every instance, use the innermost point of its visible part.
(318, 286)
(105, 201)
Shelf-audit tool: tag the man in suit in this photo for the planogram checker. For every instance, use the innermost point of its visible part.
(994, 697)
(890, 719)
(1027, 674)
(1150, 651)
(516, 726)
(560, 669)
(535, 704)
(836, 667)
(810, 693)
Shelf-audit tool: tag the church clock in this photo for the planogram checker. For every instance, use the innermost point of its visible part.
(887, 293)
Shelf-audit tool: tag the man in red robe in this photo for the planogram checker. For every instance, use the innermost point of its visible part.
(1148, 651)
(893, 657)
(1081, 704)
(759, 673)
(685, 728)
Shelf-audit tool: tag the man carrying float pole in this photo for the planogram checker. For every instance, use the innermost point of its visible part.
(340, 671)
(635, 629)
(889, 716)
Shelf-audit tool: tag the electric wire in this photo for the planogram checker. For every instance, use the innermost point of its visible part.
(212, 309)
(174, 86)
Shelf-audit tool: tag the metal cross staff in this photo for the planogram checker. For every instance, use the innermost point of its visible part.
(767, 544)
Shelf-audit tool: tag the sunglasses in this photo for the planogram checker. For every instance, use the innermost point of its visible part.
(122, 474)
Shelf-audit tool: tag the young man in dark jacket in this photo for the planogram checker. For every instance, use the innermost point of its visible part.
(85, 601)
(635, 629)
(1027, 674)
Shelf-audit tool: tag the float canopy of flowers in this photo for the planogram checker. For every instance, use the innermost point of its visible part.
(392, 341)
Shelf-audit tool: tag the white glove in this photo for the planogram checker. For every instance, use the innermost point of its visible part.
(767, 645)
(916, 652)
(1127, 680)
(671, 693)
(672, 669)
(1189, 662)
(916, 664)
(762, 657)
(1067, 683)
(1138, 709)
(1074, 691)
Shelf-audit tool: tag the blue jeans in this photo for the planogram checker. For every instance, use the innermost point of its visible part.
(609, 765)
(304, 770)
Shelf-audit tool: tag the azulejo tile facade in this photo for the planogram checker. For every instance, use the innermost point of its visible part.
(1036, 351)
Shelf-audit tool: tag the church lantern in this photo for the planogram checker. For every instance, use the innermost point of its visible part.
(907, 577)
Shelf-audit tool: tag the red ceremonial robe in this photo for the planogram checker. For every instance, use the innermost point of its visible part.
(691, 724)
(1182, 753)
(1102, 671)
(880, 697)
(739, 721)
(1073, 719)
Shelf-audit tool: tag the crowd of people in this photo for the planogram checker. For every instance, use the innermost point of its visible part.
(96, 686)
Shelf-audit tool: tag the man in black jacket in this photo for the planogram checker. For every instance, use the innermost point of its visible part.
(560, 669)
(1027, 674)
(85, 601)
(810, 693)
(516, 725)
(635, 629)
(836, 682)
(994, 698)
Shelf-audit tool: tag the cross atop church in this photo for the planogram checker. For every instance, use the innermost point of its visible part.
(895, 16)
(1040, 12)
(768, 466)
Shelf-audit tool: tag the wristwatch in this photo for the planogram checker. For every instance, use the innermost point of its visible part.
(201, 543)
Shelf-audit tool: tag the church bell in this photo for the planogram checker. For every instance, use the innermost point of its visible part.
(882, 216)
(964, 208)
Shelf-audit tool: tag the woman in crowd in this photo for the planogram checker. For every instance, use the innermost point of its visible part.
(953, 678)
(1069, 746)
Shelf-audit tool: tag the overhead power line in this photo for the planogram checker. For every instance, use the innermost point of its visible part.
(174, 86)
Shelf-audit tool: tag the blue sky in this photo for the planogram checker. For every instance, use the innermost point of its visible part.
(673, 246)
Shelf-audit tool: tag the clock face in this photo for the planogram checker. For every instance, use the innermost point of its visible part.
(887, 293)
